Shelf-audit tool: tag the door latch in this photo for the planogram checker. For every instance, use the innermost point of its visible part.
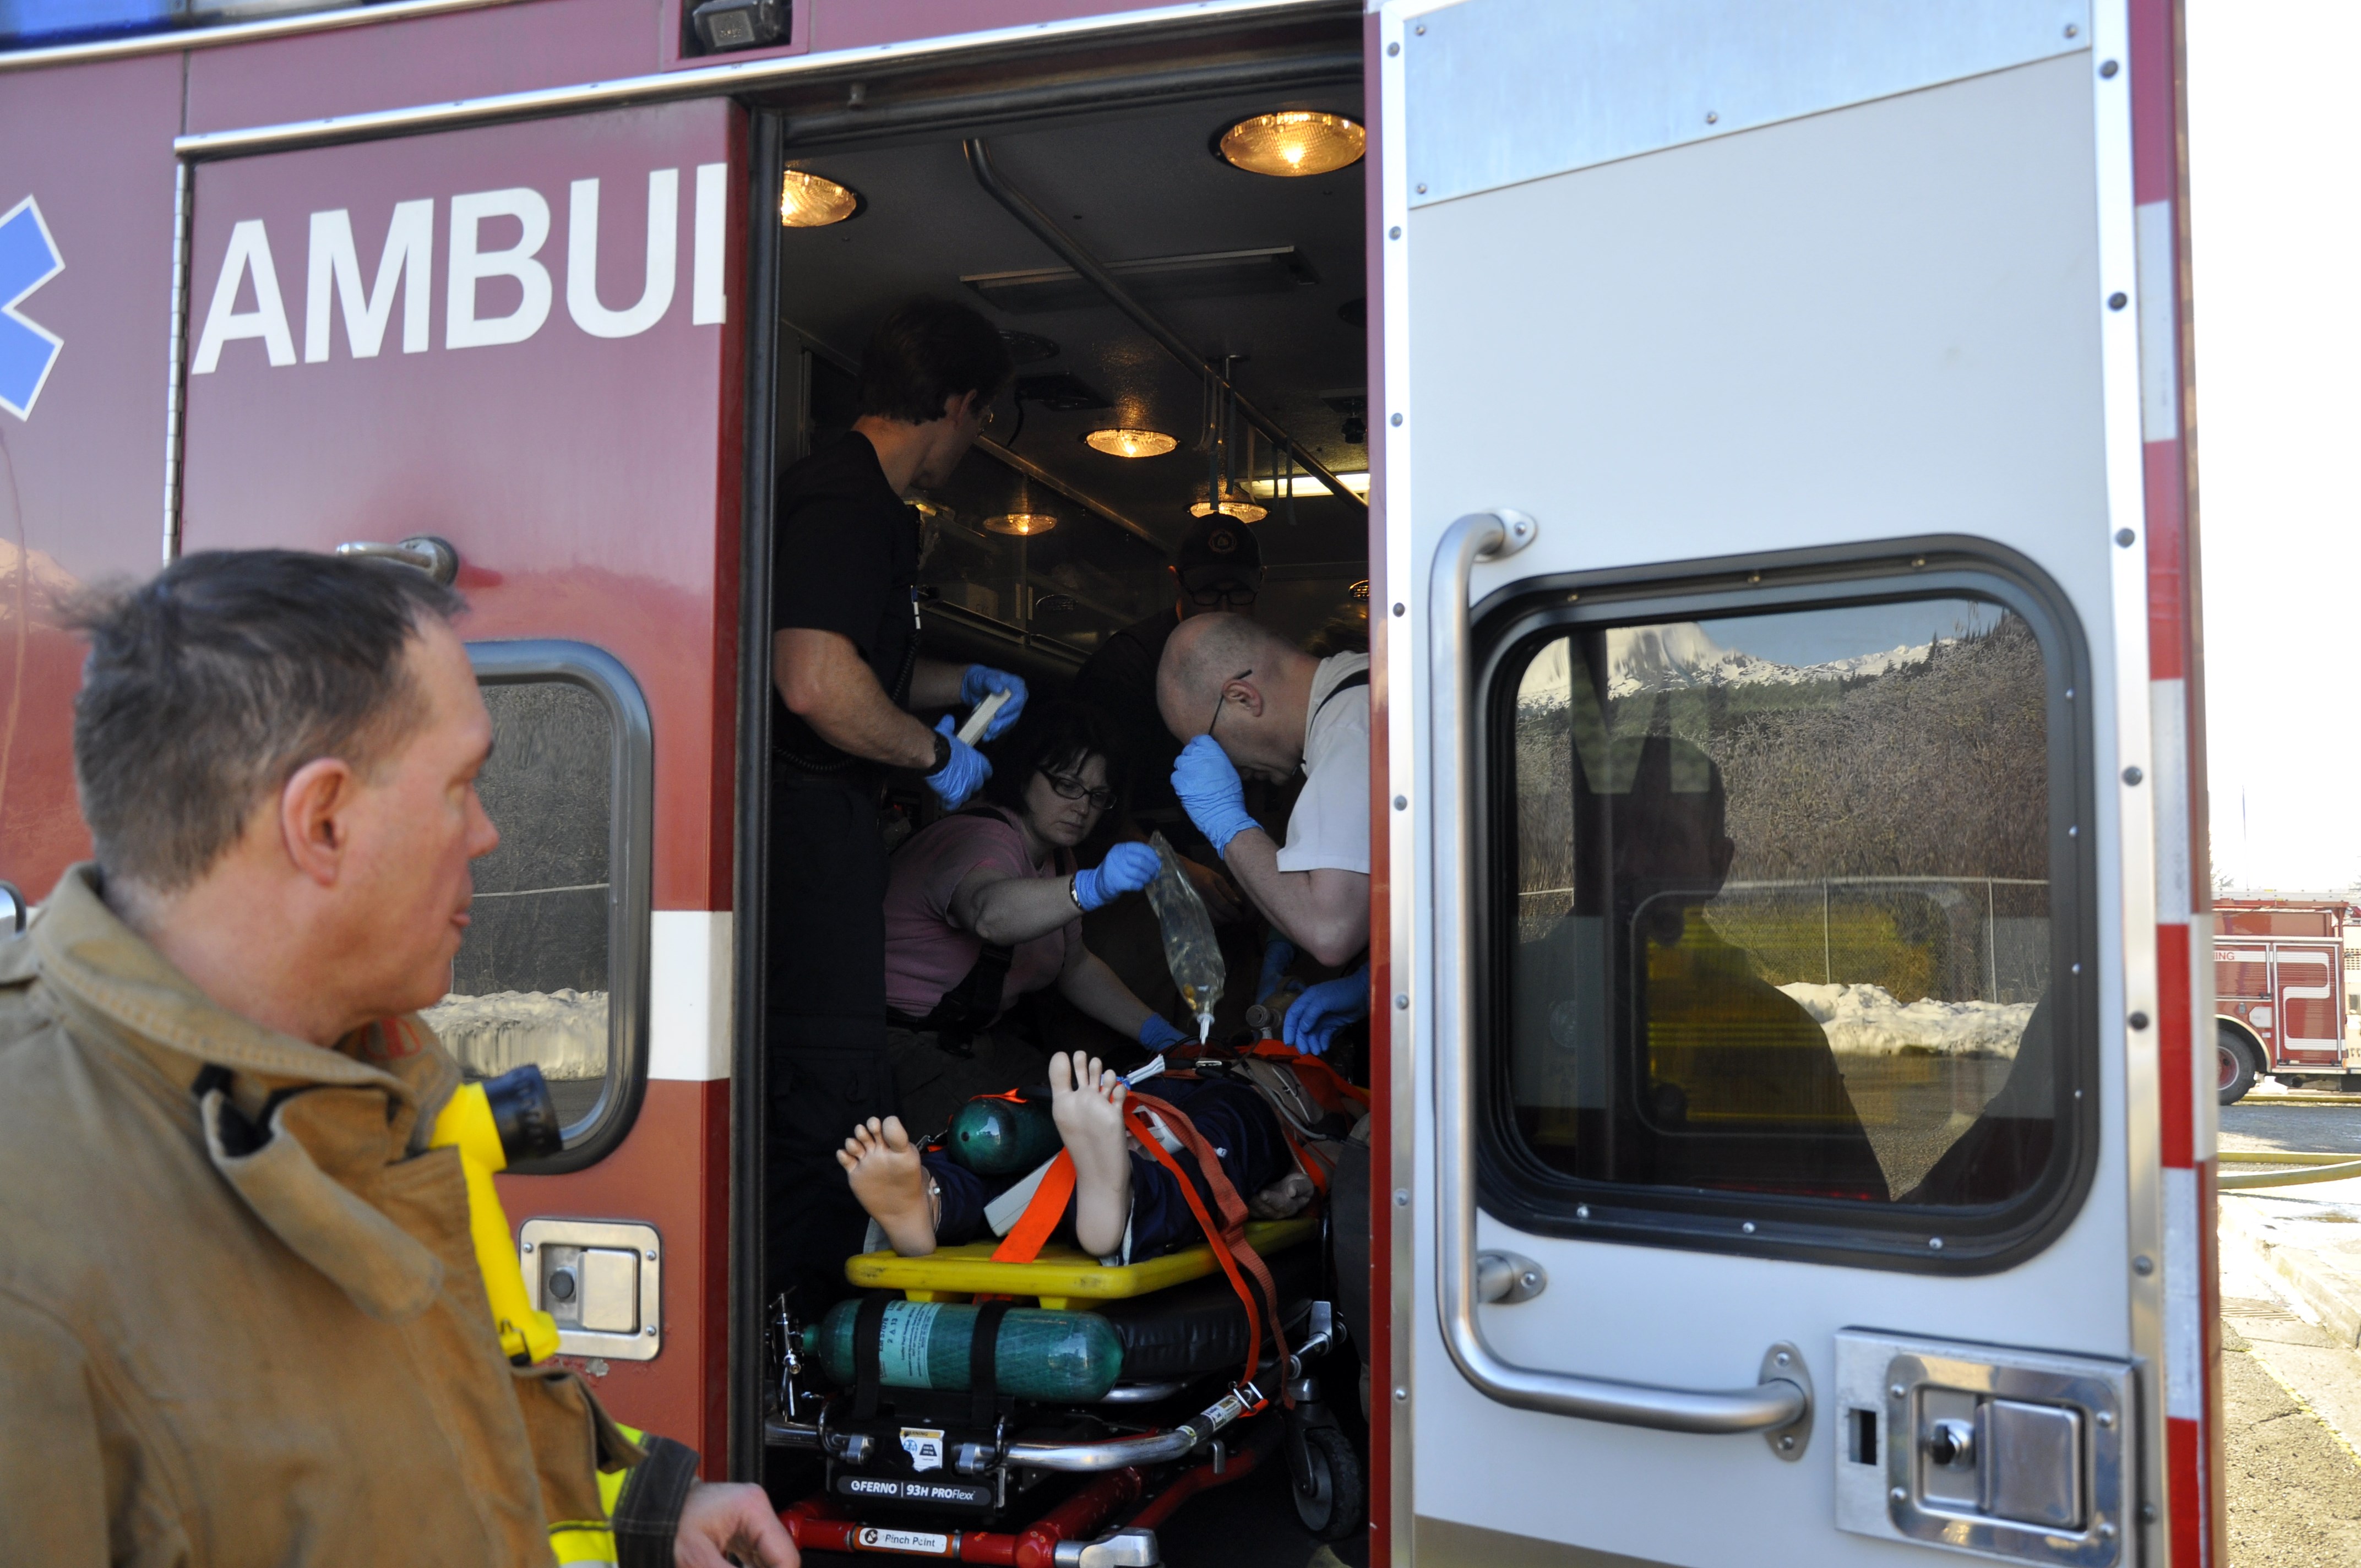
(602, 1280)
(2006, 1452)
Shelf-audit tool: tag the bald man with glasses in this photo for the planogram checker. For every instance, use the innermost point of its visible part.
(1217, 570)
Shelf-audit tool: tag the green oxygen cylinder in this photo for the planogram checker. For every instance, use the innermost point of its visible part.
(996, 1137)
(1071, 1356)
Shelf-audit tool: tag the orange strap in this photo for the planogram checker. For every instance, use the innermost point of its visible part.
(1310, 1164)
(1328, 1086)
(1042, 1211)
(1228, 1239)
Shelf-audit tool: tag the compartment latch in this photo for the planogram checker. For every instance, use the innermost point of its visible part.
(1991, 1449)
(601, 1280)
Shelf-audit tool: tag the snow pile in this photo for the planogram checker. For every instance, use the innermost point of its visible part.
(1865, 1019)
(562, 1032)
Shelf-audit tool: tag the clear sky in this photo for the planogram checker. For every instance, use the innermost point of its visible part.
(2275, 210)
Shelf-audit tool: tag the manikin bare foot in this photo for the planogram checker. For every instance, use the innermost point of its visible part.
(1087, 1105)
(891, 1184)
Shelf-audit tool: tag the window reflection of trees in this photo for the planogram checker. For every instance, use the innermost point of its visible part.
(1891, 818)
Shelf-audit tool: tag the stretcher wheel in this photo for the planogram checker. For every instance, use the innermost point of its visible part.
(1330, 1495)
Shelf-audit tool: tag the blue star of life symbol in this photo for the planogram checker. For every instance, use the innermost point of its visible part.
(28, 258)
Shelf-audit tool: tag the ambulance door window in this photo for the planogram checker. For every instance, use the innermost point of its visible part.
(551, 970)
(1783, 911)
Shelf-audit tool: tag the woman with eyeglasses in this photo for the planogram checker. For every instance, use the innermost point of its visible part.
(986, 905)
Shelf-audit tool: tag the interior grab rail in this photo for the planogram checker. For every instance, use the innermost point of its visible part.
(1026, 211)
(1776, 1402)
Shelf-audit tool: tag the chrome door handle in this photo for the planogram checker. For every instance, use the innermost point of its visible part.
(1779, 1407)
(431, 555)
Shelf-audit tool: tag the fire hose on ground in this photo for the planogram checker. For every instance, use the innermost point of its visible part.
(2310, 1168)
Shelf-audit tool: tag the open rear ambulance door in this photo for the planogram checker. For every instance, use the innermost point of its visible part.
(1797, 1155)
(523, 340)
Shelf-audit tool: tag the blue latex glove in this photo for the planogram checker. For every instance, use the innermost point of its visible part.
(1157, 1033)
(960, 777)
(1127, 869)
(1207, 783)
(1277, 954)
(1325, 1008)
(980, 682)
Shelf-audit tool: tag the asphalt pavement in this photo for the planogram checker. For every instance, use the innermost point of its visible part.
(2290, 1375)
(2292, 1121)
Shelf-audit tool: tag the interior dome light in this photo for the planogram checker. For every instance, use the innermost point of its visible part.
(808, 201)
(1244, 510)
(1021, 523)
(1293, 142)
(1131, 443)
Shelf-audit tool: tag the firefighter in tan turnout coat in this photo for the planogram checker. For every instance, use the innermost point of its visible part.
(241, 1321)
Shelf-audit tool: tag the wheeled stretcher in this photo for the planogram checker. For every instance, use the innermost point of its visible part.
(1181, 1387)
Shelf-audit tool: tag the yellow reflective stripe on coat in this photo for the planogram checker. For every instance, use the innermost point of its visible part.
(583, 1543)
(578, 1540)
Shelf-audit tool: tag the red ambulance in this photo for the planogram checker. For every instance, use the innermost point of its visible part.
(1759, 437)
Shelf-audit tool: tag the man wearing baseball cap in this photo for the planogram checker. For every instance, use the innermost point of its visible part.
(1217, 567)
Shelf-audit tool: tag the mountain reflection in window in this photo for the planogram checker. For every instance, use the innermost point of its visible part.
(1781, 912)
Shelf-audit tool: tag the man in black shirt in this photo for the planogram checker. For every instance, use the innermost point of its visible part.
(844, 661)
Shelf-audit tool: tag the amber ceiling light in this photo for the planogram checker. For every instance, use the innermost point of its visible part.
(1130, 443)
(1021, 523)
(1293, 142)
(808, 201)
(1244, 510)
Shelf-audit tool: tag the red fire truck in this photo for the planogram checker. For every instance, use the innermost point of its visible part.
(2279, 983)
(1755, 435)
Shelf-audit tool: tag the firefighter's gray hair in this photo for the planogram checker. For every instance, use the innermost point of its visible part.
(210, 685)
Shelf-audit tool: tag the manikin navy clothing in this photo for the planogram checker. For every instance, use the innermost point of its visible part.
(1230, 1116)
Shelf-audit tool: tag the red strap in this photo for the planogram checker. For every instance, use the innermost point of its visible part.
(1229, 1239)
(1048, 1206)
(1321, 1076)
(1304, 1159)
(1042, 1211)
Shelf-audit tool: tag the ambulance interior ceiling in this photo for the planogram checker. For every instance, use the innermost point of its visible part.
(1132, 189)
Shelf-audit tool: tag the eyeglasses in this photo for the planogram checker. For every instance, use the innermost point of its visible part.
(1075, 789)
(1223, 701)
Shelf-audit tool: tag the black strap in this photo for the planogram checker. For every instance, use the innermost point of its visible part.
(868, 1334)
(1358, 678)
(967, 1009)
(983, 1360)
